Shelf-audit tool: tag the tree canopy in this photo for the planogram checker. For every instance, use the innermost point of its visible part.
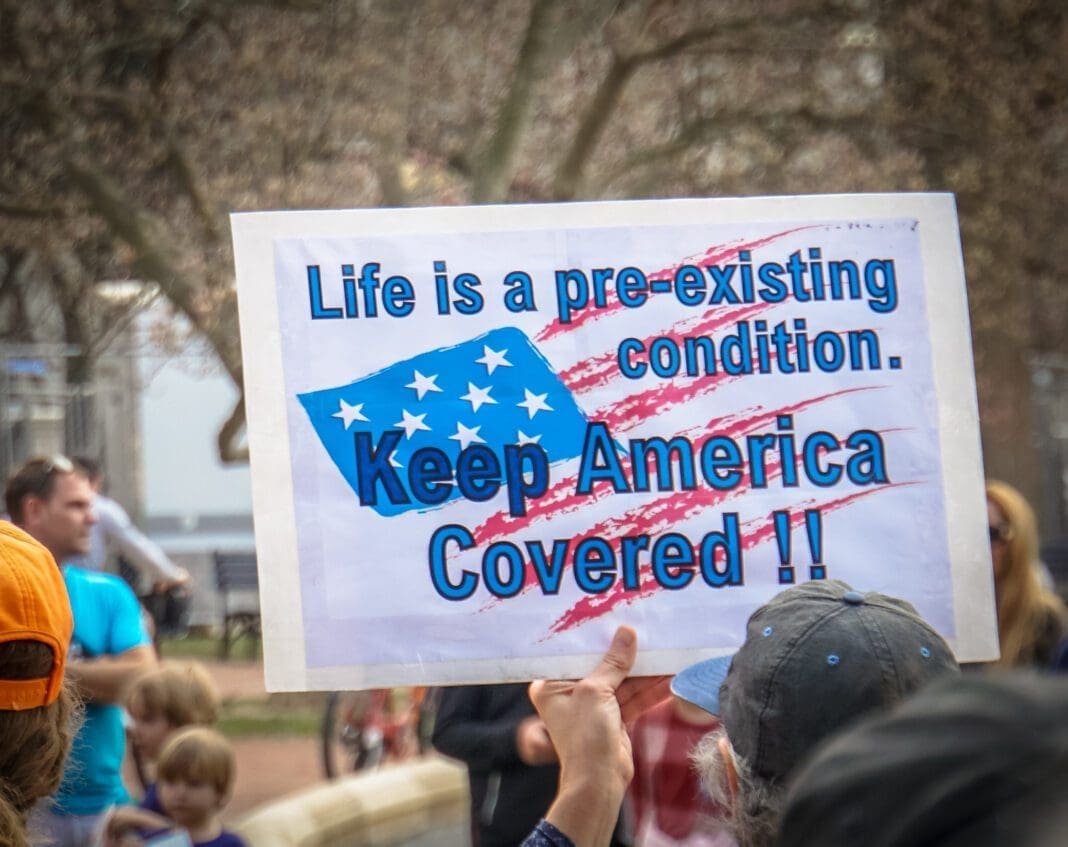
(131, 130)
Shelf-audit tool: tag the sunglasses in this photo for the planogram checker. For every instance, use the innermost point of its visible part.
(57, 464)
(35, 478)
(1002, 532)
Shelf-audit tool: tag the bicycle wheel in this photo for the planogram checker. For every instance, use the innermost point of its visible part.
(348, 743)
(428, 712)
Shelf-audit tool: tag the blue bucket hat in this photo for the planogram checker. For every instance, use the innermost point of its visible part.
(816, 658)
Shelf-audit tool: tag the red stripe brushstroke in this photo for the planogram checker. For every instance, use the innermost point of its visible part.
(591, 608)
(634, 409)
(560, 498)
(650, 518)
(717, 253)
(599, 370)
(625, 415)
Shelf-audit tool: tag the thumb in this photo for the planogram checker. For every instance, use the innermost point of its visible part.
(616, 663)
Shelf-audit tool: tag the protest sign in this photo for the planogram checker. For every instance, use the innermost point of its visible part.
(483, 437)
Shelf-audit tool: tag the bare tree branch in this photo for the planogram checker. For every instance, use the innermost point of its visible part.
(390, 183)
(67, 280)
(152, 259)
(494, 172)
(568, 180)
(554, 28)
(23, 210)
(118, 323)
(688, 136)
(178, 163)
(566, 183)
(13, 287)
(784, 127)
(230, 432)
(683, 42)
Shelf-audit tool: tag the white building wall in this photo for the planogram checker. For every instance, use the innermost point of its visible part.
(193, 504)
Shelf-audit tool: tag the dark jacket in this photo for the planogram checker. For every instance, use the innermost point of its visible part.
(477, 725)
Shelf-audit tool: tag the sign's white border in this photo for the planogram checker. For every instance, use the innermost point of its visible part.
(272, 485)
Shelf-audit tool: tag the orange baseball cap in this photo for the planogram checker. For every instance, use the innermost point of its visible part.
(33, 607)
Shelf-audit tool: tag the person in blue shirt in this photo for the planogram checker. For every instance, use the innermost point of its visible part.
(52, 501)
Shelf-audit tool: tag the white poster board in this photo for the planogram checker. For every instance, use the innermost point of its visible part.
(483, 437)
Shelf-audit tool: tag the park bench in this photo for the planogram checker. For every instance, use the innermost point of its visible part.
(237, 580)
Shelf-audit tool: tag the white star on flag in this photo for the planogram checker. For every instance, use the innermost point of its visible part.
(411, 424)
(348, 413)
(493, 359)
(522, 438)
(478, 397)
(467, 435)
(423, 384)
(534, 403)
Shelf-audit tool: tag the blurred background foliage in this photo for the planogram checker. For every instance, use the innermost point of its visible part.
(131, 128)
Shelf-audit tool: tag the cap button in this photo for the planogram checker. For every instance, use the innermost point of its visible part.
(853, 598)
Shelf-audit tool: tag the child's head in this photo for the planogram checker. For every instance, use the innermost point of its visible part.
(168, 698)
(195, 775)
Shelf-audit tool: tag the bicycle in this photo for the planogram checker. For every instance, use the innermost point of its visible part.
(364, 729)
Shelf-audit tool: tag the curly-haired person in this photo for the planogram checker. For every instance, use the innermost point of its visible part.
(38, 713)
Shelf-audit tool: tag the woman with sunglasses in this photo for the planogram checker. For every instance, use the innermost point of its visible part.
(1032, 620)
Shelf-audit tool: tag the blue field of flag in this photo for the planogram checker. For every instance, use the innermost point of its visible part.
(495, 390)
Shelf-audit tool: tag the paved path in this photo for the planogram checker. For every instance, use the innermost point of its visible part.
(236, 677)
(268, 767)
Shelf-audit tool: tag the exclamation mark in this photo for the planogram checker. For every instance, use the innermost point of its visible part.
(814, 527)
(782, 538)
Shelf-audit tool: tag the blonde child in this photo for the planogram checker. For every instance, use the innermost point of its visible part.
(161, 702)
(195, 779)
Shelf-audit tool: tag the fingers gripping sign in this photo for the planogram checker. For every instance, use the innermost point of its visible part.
(533, 743)
(586, 722)
(584, 718)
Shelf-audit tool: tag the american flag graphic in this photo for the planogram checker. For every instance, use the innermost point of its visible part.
(494, 390)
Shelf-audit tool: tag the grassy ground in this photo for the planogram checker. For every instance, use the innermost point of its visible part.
(240, 719)
(206, 646)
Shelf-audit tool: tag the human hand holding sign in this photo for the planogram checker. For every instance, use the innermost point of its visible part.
(587, 722)
(533, 743)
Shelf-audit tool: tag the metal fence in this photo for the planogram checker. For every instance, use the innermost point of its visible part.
(40, 413)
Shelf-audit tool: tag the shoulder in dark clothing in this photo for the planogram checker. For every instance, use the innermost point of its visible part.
(1051, 633)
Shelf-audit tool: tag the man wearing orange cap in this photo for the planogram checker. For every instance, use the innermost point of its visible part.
(52, 501)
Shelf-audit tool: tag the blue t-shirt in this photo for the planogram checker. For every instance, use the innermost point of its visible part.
(151, 800)
(107, 622)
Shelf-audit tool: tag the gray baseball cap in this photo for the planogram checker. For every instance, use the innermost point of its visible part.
(816, 658)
